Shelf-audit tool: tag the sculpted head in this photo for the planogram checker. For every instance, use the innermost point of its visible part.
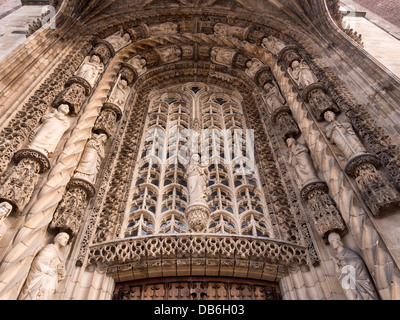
(95, 59)
(62, 239)
(329, 116)
(295, 64)
(335, 241)
(290, 142)
(63, 108)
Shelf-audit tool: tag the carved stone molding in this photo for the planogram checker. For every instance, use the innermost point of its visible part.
(325, 215)
(197, 216)
(190, 251)
(40, 158)
(74, 96)
(287, 55)
(287, 126)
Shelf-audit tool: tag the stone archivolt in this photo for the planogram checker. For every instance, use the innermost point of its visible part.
(290, 226)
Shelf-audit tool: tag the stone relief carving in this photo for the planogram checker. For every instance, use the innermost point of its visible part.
(222, 56)
(119, 93)
(349, 264)
(49, 133)
(90, 69)
(139, 63)
(341, 133)
(90, 162)
(301, 73)
(221, 29)
(47, 270)
(253, 66)
(5, 210)
(300, 160)
(319, 101)
(197, 180)
(273, 96)
(170, 54)
(273, 45)
(158, 30)
(119, 40)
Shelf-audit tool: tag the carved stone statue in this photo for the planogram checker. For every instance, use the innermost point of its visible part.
(197, 180)
(49, 133)
(163, 29)
(273, 96)
(352, 272)
(170, 54)
(119, 40)
(222, 56)
(90, 69)
(90, 162)
(5, 210)
(301, 73)
(139, 64)
(221, 29)
(253, 66)
(273, 45)
(300, 160)
(47, 270)
(342, 134)
(120, 93)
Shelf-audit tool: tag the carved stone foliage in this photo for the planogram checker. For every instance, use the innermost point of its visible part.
(197, 216)
(185, 246)
(286, 124)
(197, 288)
(74, 96)
(13, 136)
(325, 215)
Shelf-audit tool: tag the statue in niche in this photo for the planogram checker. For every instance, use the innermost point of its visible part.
(352, 272)
(139, 64)
(90, 69)
(47, 270)
(221, 29)
(197, 180)
(301, 73)
(49, 133)
(273, 96)
(90, 162)
(253, 66)
(163, 29)
(222, 56)
(119, 40)
(120, 93)
(273, 45)
(300, 160)
(170, 54)
(5, 210)
(342, 134)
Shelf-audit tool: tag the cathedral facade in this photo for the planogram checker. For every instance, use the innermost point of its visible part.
(198, 150)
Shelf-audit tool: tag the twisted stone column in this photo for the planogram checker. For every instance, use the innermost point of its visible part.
(16, 263)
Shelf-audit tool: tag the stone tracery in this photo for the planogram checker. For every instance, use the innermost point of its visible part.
(173, 221)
